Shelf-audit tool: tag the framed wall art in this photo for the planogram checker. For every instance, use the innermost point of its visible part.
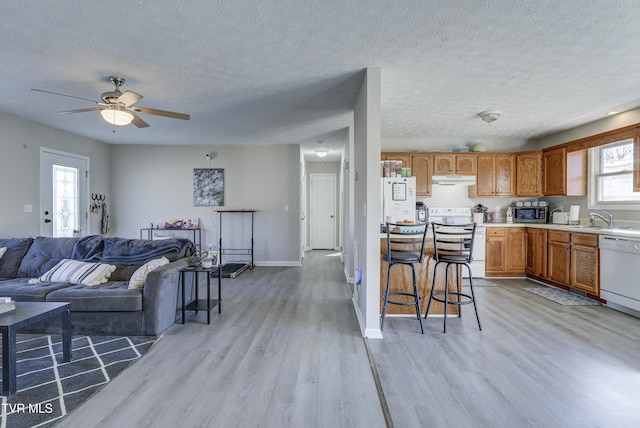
(208, 187)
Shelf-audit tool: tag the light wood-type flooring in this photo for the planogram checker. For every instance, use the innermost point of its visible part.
(286, 352)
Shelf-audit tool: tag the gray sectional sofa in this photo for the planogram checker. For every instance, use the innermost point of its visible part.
(108, 308)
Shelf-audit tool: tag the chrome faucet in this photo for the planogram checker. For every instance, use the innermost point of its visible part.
(608, 221)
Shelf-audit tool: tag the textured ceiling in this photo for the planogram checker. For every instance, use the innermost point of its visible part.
(288, 71)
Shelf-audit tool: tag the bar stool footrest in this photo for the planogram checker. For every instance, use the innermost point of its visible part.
(398, 293)
(467, 298)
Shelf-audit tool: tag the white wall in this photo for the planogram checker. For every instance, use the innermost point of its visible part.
(367, 136)
(20, 142)
(152, 184)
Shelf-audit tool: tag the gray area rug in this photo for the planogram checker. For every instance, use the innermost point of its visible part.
(562, 297)
(49, 389)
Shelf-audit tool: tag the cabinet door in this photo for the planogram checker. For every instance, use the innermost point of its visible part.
(529, 174)
(495, 256)
(585, 269)
(504, 175)
(555, 174)
(443, 164)
(558, 265)
(485, 176)
(577, 173)
(516, 250)
(421, 167)
(466, 164)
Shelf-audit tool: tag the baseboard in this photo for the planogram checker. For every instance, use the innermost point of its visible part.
(369, 333)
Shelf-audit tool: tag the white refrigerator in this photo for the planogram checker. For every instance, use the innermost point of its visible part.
(398, 199)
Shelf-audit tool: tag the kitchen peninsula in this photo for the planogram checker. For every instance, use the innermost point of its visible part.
(401, 280)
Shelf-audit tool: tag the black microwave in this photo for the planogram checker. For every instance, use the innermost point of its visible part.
(530, 214)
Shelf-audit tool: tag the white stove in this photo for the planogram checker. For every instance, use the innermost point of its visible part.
(462, 215)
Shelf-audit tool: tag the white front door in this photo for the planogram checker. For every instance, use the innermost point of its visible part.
(63, 194)
(323, 211)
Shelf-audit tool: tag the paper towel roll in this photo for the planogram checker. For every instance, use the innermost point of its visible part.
(574, 213)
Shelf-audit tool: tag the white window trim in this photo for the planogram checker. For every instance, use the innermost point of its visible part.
(592, 204)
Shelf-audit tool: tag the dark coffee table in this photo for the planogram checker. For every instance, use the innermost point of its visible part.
(27, 313)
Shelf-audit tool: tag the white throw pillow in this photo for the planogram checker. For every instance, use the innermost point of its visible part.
(140, 275)
(76, 272)
(2, 251)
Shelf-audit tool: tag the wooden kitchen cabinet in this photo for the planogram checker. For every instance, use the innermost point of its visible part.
(495, 177)
(444, 164)
(495, 251)
(559, 256)
(585, 267)
(565, 173)
(555, 173)
(399, 156)
(422, 169)
(505, 251)
(421, 165)
(529, 174)
(536, 252)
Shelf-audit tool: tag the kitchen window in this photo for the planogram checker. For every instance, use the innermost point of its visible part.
(611, 172)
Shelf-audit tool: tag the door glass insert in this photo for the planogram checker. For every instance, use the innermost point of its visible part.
(65, 217)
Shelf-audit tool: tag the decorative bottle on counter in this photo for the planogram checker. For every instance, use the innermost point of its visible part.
(509, 215)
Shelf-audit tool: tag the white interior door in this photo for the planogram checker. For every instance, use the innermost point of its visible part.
(63, 194)
(323, 211)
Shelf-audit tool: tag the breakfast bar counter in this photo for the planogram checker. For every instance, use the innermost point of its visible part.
(401, 281)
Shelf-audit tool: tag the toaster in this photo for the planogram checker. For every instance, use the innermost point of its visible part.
(560, 218)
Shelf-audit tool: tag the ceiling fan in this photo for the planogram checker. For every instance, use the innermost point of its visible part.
(117, 107)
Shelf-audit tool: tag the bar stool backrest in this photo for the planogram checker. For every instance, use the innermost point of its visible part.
(453, 243)
(405, 242)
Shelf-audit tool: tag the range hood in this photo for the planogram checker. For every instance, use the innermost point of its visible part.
(454, 180)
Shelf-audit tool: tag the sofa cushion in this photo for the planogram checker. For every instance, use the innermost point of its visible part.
(20, 290)
(140, 276)
(77, 272)
(44, 254)
(16, 249)
(109, 297)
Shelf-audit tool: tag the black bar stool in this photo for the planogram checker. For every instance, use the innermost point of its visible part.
(453, 245)
(405, 246)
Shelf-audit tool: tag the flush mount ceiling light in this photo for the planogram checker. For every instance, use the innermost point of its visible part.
(116, 116)
(322, 152)
(490, 116)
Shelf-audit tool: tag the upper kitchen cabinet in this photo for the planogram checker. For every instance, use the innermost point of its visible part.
(529, 173)
(565, 173)
(400, 156)
(495, 175)
(422, 169)
(421, 165)
(444, 164)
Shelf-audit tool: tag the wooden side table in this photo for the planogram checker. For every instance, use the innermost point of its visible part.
(198, 304)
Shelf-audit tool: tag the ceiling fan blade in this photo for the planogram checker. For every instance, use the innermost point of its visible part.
(82, 110)
(129, 97)
(164, 113)
(139, 122)
(64, 95)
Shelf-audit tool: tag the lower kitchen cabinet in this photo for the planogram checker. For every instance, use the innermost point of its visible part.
(559, 256)
(585, 267)
(505, 251)
(536, 252)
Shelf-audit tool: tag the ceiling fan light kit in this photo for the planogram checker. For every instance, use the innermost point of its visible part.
(490, 115)
(117, 117)
(117, 107)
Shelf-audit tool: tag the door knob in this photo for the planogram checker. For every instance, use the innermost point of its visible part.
(46, 220)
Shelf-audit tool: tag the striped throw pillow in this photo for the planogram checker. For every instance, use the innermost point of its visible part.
(76, 272)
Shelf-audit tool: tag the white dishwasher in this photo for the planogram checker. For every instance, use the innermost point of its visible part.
(620, 273)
